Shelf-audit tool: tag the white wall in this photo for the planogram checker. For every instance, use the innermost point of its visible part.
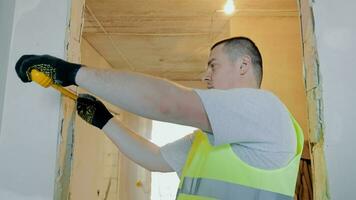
(6, 20)
(335, 27)
(30, 115)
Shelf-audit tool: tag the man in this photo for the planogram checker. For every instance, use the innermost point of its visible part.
(248, 146)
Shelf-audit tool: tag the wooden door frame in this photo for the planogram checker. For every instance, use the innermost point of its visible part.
(67, 118)
(313, 87)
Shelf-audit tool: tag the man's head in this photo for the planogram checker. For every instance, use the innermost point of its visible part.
(234, 63)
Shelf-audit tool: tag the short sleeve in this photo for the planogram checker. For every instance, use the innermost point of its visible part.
(245, 116)
(176, 153)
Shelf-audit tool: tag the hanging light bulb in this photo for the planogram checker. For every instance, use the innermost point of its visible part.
(229, 7)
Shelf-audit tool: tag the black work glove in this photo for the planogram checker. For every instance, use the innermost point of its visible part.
(92, 110)
(60, 71)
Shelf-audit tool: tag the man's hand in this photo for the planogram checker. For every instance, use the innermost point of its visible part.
(92, 110)
(60, 71)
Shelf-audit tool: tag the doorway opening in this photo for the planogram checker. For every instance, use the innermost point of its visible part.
(164, 185)
(124, 35)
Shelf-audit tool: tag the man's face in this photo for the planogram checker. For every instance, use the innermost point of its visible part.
(221, 72)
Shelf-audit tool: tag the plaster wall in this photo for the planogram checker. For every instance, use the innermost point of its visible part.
(99, 169)
(30, 113)
(6, 21)
(335, 30)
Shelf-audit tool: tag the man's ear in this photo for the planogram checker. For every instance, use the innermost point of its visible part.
(245, 64)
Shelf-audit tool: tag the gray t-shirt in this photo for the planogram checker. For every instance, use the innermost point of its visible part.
(254, 121)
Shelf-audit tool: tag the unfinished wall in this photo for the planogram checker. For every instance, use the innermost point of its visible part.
(279, 41)
(335, 30)
(30, 115)
(135, 181)
(100, 171)
(95, 157)
(6, 21)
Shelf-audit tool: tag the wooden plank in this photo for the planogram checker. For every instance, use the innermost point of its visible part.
(314, 116)
(306, 151)
(315, 105)
(66, 143)
(311, 65)
(308, 183)
(320, 181)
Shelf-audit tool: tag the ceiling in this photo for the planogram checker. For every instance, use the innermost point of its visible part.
(166, 38)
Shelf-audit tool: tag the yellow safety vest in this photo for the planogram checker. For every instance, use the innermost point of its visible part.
(218, 173)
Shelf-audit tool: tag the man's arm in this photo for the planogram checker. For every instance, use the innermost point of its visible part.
(147, 96)
(135, 147)
(144, 95)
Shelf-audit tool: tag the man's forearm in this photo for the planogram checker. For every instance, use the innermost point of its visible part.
(141, 94)
(135, 147)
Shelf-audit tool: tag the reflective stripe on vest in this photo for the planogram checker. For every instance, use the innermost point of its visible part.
(216, 189)
(216, 172)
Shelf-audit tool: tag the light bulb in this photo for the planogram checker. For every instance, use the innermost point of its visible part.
(229, 7)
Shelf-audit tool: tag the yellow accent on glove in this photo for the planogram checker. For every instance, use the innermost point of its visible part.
(46, 81)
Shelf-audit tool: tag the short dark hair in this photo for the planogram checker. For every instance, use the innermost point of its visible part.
(238, 46)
